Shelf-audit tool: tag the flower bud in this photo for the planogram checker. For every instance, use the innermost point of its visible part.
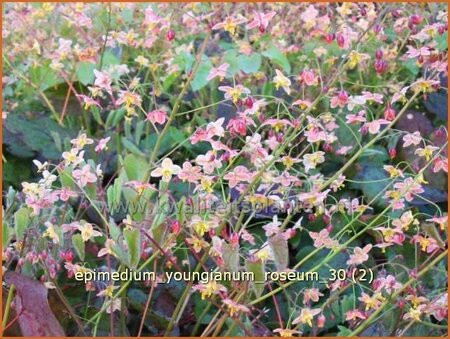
(377, 29)
(392, 152)
(329, 37)
(415, 19)
(225, 156)
(340, 40)
(380, 66)
(389, 113)
(249, 102)
(321, 321)
(175, 227)
(363, 11)
(170, 35)
(234, 239)
(328, 148)
(280, 137)
(379, 54)
(439, 132)
(395, 14)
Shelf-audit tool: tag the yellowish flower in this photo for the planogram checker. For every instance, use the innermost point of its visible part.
(282, 81)
(51, 233)
(88, 232)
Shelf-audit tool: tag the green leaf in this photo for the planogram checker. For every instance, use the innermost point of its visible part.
(78, 244)
(21, 221)
(65, 177)
(133, 240)
(169, 80)
(113, 195)
(85, 73)
(343, 331)
(258, 269)
(411, 66)
(110, 58)
(249, 63)
(348, 135)
(127, 15)
(5, 234)
(231, 58)
(231, 257)
(373, 180)
(280, 250)
(200, 78)
(375, 154)
(114, 230)
(132, 147)
(135, 167)
(45, 77)
(276, 56)
(442, 41)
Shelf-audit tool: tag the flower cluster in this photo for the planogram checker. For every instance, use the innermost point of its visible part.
(283, 140)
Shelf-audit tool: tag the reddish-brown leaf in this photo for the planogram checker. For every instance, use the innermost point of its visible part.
(36, 319)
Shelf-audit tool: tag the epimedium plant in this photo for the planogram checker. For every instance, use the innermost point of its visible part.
(277, 139)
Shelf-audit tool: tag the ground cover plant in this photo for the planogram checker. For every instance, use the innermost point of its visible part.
(150, 149)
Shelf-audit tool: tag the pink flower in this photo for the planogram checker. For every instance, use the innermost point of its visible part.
(84, 175)
(103, 81)
(261, 20)
(341, 99)
(356, 118)
(312, 294)
(239, 174)
(102, 144)
(354, 315)
(220, 72)
(234, 93)
(277, 124)
(440, 164)
(129, 99)
(441, 221)
(409, 188)
(199, 135)
(209, 162)
(88, 101)
(303, 104)
(415, 53)
(273, 227)
(215, 128)
(308, 78)
(427, 244)
(412, 139)
(234, 307)
(66, 193)
(237, 126)
(157, 117)
(359, 255)
(230, 24)
(388, 283)
(374, 126)
(306, 316)
(189, 173)
(373, 97)
(322, 238)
